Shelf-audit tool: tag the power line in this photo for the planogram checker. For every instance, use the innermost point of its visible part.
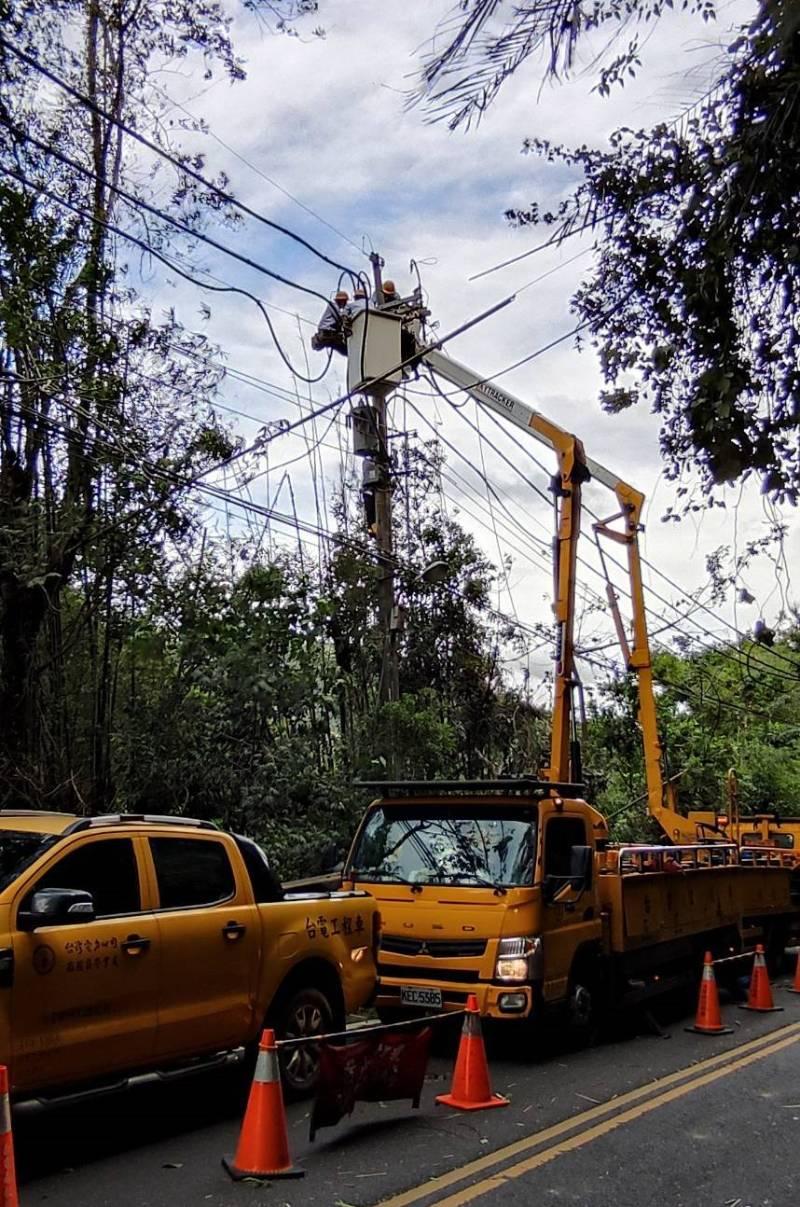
(150, 250)
(703, 607)
(140, 204)
(259, 172)
(524, 360)
(557, 268)
(559, 238)
(359, 546)
(337, 402)
(182, 167)
(736, 654)
(526, 535)
(256, 446)
(292, 314)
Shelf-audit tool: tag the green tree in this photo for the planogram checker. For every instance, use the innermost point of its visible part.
(101, 422)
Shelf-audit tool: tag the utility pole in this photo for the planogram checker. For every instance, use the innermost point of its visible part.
(390, 675)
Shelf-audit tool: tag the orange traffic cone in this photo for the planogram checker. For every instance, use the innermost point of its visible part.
(8, 1174)
(795, 986)
(471, 1090)
(263, 1149)
(759, 996)
(708, 1020)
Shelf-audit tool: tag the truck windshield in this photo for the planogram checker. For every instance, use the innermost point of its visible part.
(18, 848)
(465, 845)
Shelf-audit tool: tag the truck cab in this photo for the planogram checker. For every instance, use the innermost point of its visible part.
(486, 888)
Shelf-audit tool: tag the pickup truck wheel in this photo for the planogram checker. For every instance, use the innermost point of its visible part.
(305, 1013)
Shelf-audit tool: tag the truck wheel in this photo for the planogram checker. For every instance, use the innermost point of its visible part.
(305, 1012)
(584, 1006)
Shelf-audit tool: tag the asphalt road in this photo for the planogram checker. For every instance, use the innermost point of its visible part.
(687, 1120)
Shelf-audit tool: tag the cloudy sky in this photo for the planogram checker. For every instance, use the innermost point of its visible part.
(324, 120)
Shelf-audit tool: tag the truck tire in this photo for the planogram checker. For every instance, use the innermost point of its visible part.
(305, 1011)
(585, 1005)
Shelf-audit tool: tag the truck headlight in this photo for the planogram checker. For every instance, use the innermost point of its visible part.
(517, 958)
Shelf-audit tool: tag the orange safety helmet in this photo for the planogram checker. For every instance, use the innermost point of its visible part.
(389, 287)
(341, 297)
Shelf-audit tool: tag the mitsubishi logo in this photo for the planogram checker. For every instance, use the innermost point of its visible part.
(423, 950)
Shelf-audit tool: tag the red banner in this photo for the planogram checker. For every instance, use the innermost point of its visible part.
(383, 1067)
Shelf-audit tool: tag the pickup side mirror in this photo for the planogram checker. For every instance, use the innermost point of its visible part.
(56, 907)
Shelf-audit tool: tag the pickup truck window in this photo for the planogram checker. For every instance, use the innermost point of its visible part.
(106, 868)
(191, 871)
(444, 844)
(266, 885)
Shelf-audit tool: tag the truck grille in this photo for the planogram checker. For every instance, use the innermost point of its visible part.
(437, 949)
(461, 976)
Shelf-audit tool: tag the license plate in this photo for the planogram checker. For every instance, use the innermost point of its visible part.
(410, 995)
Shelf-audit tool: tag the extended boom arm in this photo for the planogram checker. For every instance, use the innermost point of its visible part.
(622, 528)
(573, 470)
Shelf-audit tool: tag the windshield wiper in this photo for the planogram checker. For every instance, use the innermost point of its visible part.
(378, 877)
(480, 877)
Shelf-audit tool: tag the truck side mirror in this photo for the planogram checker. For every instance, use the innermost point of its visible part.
(580, 868)
(56, 907)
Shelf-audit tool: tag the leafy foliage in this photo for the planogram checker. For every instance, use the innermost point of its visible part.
(103, 421)
(717, 713)
(483, 42)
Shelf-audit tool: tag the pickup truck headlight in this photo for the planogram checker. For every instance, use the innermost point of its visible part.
(517, 958)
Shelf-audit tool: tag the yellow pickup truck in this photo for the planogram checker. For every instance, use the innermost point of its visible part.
(133, 944)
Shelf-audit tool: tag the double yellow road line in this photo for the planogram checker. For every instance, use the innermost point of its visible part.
(484, 1175)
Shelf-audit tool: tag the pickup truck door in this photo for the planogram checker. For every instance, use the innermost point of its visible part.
(209, 945)
(567, 923)
(83, 995)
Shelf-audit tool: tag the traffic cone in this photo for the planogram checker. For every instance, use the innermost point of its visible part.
(8, 1174)
(471, 1089)
(795, 986)
(708, 1020)
(759, 996)
(263, 1149)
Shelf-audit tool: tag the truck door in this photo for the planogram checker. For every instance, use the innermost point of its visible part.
(210, 946)
(567, 924)
(83, 994)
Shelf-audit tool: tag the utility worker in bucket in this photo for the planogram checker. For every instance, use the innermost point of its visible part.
(330, 332)
(390, 295)
(358, 303)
